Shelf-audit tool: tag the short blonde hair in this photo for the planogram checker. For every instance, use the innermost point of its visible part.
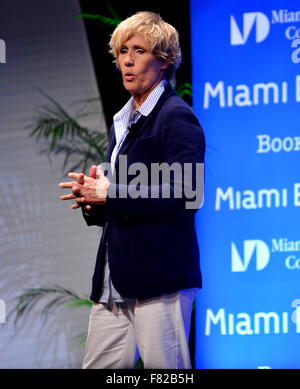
(162, 38)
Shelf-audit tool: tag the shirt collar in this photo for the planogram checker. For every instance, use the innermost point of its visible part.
(126, 110)
(147, 106)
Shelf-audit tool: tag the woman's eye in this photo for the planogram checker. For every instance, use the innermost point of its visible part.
(140, 51)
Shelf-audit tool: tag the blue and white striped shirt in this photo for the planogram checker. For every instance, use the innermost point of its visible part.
(122, 120)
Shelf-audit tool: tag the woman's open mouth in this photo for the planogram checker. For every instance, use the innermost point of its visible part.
(129, 76)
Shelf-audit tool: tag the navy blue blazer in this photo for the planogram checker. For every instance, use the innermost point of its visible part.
(151, 242)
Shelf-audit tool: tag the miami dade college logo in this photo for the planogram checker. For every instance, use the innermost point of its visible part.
(250, 19)
(255, 250)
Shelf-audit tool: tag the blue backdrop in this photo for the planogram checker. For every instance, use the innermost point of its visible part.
(246, 93)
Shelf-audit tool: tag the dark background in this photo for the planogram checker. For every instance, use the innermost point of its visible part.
(112, 93)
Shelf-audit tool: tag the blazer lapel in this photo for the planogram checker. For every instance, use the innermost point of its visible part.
(136, 129)
(111, 144)
(134, 132)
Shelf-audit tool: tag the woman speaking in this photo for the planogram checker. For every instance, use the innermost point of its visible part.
(147, 270)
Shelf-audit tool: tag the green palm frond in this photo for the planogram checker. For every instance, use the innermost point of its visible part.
(59, 296)
(64, 134)
(114, 20)
(105, 20)
(80, 339)
(184, 89)
(79, 302)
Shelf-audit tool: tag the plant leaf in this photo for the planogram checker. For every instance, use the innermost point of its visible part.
(103, 19)
(32, 296)
(64, 135)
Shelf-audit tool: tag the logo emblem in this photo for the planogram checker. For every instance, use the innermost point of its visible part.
(253, 249)
(262, 28)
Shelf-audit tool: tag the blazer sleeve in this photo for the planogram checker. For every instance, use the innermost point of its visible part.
(95, 216)
(182, 142)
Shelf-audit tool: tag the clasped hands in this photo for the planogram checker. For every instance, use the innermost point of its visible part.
(87, 191)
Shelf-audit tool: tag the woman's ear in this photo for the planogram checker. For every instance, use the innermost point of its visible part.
(164, 65)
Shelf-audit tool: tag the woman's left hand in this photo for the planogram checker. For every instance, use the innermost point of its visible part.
(87, 190)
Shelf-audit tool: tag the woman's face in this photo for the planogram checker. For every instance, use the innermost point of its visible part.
(141, 70)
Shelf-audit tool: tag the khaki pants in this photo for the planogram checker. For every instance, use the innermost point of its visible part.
(157, 329)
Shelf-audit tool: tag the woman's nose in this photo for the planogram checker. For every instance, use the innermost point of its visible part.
(128, 59)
